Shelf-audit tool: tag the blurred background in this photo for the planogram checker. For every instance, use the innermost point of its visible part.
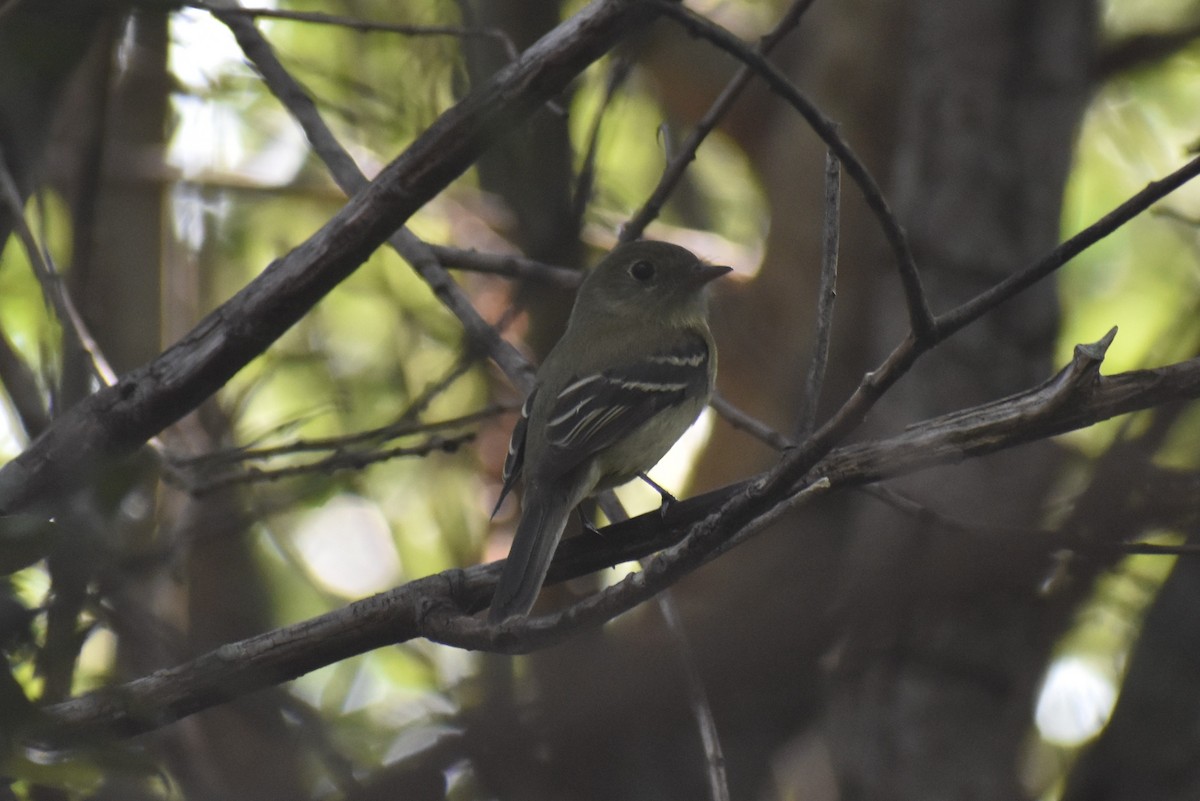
(932, 640)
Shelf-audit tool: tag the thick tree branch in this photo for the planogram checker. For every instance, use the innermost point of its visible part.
(436, 607)
(118, 419)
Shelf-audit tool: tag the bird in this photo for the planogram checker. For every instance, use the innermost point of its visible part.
(632, 371)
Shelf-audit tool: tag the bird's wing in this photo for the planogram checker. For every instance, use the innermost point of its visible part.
(515, 459)
(595, 410)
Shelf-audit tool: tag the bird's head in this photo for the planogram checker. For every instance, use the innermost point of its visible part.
(638, 279)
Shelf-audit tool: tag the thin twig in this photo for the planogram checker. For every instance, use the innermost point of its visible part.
(1149, 548)
(357, 24)
(507, 265)
(53, 290)
(21, 383)
(677, 164)
(743, 421)
(1053, 538)
(693, 683)
(586, 178)
(698, 702)
(931, 519)
(404, 427)
(826, 295)
(342, 460)
(1175, 215)
(920, 317)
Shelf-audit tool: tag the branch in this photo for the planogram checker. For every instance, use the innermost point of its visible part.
(116, 420)
(20, 382)
(814, 380)
(54, 292)
(405, 426)
(435, 606)
(334, 462)
(356, 24)
(511, 266)
(950, 322)
(744, 421)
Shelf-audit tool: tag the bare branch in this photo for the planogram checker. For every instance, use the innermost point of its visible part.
(585, 178)
(743, 421)
(340, 460)
(1076, 397)
(357, 24)
(698, 703)
(507, 265)
(826, 294)
(946, 324)
(22, 387)
(403, 427)
(346, 452)
(932, 518)
(693, 683)
(50, 281)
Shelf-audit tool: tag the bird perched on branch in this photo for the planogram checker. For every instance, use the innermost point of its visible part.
(633, 370)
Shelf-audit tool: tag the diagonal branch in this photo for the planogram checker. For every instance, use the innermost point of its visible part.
(116, 420)
(814, 379)
(50, 280)
(950, 322)
(357, 24)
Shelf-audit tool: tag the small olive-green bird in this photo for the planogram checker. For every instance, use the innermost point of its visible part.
(633, 370)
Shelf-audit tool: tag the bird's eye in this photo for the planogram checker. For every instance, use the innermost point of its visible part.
(642, 270)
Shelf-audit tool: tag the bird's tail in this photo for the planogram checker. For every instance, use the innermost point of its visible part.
(542, 522)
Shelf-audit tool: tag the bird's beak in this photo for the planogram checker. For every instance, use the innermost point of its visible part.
(707, 272)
